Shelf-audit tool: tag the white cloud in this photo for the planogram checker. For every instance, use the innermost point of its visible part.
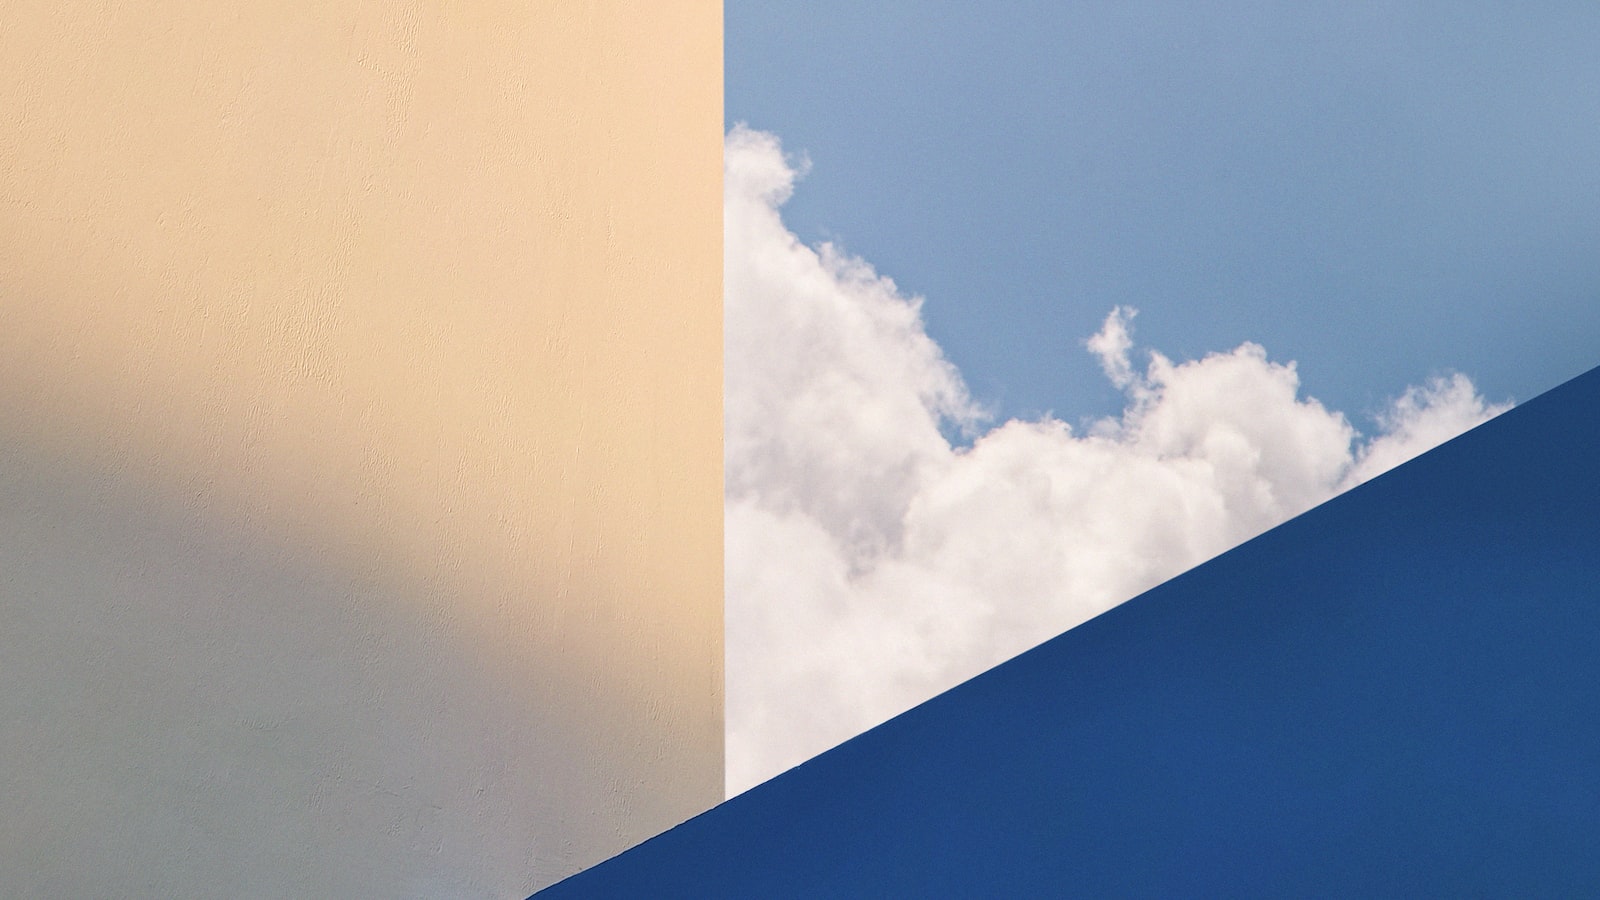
(1112, 345)
(1421, 419)
(871, 564)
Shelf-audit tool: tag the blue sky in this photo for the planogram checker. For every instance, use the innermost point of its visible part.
(1380, 192)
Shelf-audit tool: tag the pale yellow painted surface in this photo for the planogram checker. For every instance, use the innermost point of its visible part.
(360, 442)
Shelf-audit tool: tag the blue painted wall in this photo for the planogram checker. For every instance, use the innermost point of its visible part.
(1397, 693)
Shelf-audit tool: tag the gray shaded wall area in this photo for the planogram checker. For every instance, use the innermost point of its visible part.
(196, 708)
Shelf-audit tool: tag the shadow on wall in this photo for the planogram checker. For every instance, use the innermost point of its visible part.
(195, 702)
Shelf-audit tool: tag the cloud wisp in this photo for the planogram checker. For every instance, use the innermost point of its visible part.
(871, 563)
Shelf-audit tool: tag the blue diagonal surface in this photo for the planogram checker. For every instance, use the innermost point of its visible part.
(1395, 694)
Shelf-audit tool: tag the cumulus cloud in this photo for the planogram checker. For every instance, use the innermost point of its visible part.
(871, 563)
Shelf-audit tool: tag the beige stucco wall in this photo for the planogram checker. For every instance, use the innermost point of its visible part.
(360, 442)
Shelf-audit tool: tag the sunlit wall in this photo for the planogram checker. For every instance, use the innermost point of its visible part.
(360, 442)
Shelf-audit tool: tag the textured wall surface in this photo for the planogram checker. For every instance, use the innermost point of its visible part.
(360, 442)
